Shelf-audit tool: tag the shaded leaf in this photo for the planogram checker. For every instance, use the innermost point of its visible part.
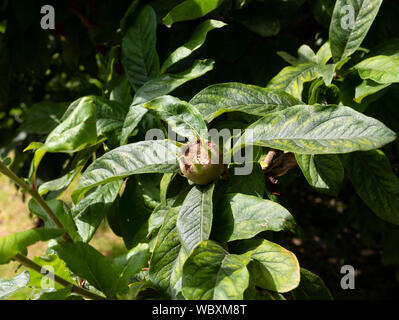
(166, 83)
(190, 10)
(311, 287)
(139, 55)
(379, 188)
(324, 173)
(130, 264)
(196, 40)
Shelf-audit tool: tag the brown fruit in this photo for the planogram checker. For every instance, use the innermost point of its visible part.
(196, 162)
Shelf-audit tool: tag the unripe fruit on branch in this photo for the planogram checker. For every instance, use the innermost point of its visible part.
(201, 161)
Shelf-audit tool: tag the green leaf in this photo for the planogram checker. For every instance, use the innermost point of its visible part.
(168, 257)
(130, 264)
(89, 264)
(311, 287)
(350, 23)
(217, 99)
(324, 173)
(9, 287)
(14, 243)
(196, 40)
(190, 10)
(43, 117)
(261, 22)
(109, 114)
(61, 211)
(273, 267)
(242, 216)
(317, 129)
(133, 118)
(375, 183)
(129, 215)
(156, 156)
(292, 78)
(89, 212)
(252, 184)
(194, 222)
(181, 117)
(76, 131)
(166, 83)
(368, 87)
(211, 273)
(381, 69)
(139, 55)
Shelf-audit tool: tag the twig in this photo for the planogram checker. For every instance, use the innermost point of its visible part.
(74, 288)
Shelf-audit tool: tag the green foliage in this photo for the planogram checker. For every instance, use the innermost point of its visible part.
(76, 111)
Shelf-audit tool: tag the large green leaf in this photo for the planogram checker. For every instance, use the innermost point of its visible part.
(311, 287)
(169, 255)
(242, 216)
(130, 264)
(273, 267)
(350, 23)
(211, 273)
(291, 79)
(381, 69)
(14, 243)
(139, 55)
(166, 83)
(217, 99)
(9, 287)
(190, 10)
(90, 211)
(196, 40)
(89, 264)
(76, 131)
(194, 222)
(141, 157)
(317, 129)
(375, 183)
(324, 173)
(181, 117)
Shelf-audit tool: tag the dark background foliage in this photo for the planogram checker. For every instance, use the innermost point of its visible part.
(64, 64)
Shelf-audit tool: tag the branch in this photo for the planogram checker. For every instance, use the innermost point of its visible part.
(35, 195)
(74, 288)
